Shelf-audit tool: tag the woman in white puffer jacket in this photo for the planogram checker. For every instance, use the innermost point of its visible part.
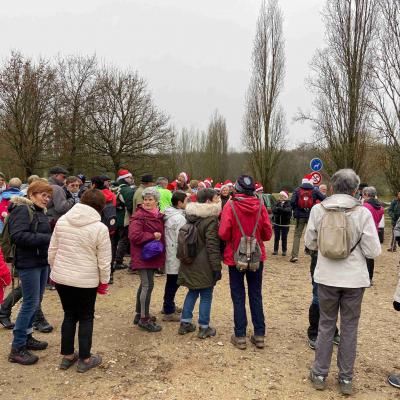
(80, 258)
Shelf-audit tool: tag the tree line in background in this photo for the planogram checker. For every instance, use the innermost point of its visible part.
(96, 118)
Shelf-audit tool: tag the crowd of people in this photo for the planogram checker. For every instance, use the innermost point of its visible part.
(70, 235)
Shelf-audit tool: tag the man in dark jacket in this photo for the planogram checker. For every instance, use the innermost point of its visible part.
(282, 212)
(394, 212)
(303, 199)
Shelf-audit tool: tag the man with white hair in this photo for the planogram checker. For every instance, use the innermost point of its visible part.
(344, 234)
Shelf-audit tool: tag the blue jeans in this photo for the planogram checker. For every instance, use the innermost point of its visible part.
(204, 306)
(238, 295)
(33, 283)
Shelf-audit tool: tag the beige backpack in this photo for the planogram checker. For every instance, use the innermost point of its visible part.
(335, 233)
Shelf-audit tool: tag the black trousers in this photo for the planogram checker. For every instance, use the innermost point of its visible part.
(371, 267)
(171, 286)
(120, 245)
(78, 305)
(280, 232)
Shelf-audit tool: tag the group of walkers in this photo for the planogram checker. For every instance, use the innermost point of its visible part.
(186, 228)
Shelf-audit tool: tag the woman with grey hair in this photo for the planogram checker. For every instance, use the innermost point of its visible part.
(341, 274)
(146, 234)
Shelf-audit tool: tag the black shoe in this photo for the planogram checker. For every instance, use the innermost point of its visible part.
(137, 319)
(111, 281)
(42, 326)
(49, 286)
(186, 327)
(6, 322)
(346, 386)
(336, 339)
(120, 266)
(34, 344)
(275, 253)
(22, 356)
(311, 343)
(283, 253)
(294, 260)
(149, 325)
(205, 333)
(394, 380)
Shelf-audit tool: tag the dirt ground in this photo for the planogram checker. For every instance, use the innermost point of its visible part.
(141, 365)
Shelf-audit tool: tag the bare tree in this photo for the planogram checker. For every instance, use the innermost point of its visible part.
(123, 123)
(264, 128)
(75, 75)
(342, 73)
(27, 92)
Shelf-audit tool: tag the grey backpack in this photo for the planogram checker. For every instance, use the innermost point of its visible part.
(248, 254)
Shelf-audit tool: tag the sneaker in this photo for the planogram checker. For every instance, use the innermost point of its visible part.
(159, 273)
(275, 253)
(283, 253)
(34, 344)
(49, 286)
(346, 386)
(336, 339)
(186, 327)
(22, 356)
(111, 281)
(258, 341)
(205, 333)
(311, 343)
(178, 310)
(118, 266)
(149, 325)
(392, 250)
(137, 318)
(318, 381)
(6, 322)
(94, 361)
(294, 260)
(66, 363)
(394, 380)
(174, 317)
(42, 326)
(239, 342)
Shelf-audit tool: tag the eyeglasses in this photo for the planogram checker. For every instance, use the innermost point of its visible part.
(45, 196)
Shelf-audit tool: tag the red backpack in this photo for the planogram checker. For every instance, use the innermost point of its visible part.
(305, 198)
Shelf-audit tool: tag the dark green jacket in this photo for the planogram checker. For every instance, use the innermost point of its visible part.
(199, 275)
(124, 203)
(394, 211)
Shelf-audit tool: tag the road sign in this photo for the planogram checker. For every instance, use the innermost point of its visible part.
(316, 164)
(316, 178)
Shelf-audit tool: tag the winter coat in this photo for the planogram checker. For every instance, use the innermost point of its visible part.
(174, 219)
(142, 227)
(282, 212)
(124, 194)
(246, 208)
(302, 212)
(80, 249)
(224, 200)
(5, 198)
(352, 271)
(59, 204)
(165, 198)
(31, 238)
(137, 198)
(199, 274)
(376, 209)
(5, 276)
(394, 211)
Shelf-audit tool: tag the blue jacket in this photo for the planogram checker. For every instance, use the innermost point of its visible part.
(7, 194)
(32, 239)
(303, 212)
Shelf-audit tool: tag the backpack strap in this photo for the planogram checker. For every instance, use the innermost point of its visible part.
(237, 218)
(258, 217)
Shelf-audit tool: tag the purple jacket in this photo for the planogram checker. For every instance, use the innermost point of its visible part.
(376, 210)
(142, 226)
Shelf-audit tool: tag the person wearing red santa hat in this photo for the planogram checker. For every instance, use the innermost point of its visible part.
(217, 187)
(201, 185)
(225, 195)
(259, 187)
(183, 182)
(229, 183)
(282, 212)
(208, 182)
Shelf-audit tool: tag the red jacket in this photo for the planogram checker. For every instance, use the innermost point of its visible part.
(5, 276)
(142, 226)
(246, 208)
(376, 210)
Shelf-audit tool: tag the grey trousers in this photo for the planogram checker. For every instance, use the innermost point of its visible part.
(145, 289)
(301, 223)
(331, 300)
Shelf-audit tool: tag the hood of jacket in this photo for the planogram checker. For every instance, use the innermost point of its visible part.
(82, 215)
(7, 194)
(374, 203)
(340, 201)
(171, 212)
(197, 210)
(18, 200)
(109, 195)
(246, 204)
(52, 181)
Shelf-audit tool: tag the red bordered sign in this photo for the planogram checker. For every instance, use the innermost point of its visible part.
(316, 178)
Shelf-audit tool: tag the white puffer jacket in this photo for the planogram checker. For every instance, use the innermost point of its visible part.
(80, 249)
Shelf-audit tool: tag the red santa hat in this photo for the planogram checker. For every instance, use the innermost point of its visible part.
(259, 187)
(171, 186)
(208, 182)
(228, 183)
(201, 185)
(307, 179)
(123, 174)
(185, 176)
(284, 194)
(218, 187)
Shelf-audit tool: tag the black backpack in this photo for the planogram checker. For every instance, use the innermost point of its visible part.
(187, 243)
(109, 217)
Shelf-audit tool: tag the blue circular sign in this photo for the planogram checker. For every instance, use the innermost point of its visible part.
(316, 164)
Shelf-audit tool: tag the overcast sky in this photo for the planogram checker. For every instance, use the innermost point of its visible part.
(195, 54)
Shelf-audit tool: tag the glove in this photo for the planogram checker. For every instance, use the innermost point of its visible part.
(396, 306)
(102, 288)
(217, 276)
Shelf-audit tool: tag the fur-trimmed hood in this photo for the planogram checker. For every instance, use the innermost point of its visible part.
(203, 210)
(17, 201)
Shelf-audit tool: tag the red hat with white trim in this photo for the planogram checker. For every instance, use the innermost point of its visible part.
(218, 187)
(208, 182)
(259, 187)
(123, 174)
(201, 185)
(228, 183)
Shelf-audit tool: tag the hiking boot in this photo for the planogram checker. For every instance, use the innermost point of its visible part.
(111, 281)
(66, 363)
(42, 326)
(318, 381)
(392, 250)
(275, 253)
(118, 266)
(171, 317)
(283, 253)
(186, 327)
(258, 341)
(178, 310)
(294, 260)
(149, 325)
(94, 361)
(6, 322)
(22, 356)
(137, 319)
(311, 343)
(239, 342)
(346, 386)
(34, 344)
(205, 333)
(336, 339)
(394, 380)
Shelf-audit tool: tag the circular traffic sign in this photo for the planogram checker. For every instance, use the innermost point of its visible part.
(316, 178)
(316, 164)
